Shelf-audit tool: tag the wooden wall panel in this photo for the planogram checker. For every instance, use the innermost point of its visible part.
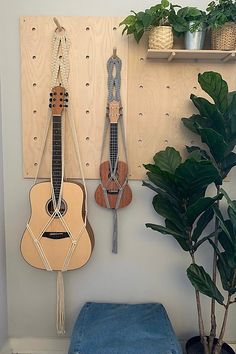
(92, 42)
(155, 94)
(158, 98)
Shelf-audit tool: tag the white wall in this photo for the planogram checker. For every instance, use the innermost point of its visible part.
(3, 286)
(147, 268)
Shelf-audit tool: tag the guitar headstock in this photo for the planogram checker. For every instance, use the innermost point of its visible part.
(58, 100)
(114, 111)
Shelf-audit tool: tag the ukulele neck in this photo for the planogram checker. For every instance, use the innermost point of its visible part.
(113, 144)
(56, 156)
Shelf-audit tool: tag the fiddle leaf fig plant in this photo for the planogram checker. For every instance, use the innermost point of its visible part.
(215, 122)
(180, 188)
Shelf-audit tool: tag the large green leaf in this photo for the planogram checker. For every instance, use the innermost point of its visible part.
(165, 231)
(232, 112)
(212, 83)
(202, 222)
(215, 142)
(203, 282)
(151, 186)
(228, 163)
(194, 121)
(168, 160)
(225, 241)
(199, 207)
(215, 119)
(193, 176)
(197, 153)
(167, 210)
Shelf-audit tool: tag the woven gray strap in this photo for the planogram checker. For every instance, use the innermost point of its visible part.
(114, 65)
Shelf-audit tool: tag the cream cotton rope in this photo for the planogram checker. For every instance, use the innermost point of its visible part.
(60, 74)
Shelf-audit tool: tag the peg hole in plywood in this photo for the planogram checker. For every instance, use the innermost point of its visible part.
(139, 166)
(87, 164)
(34, 57)
(140, 141)
(195, 87)
(34, 84)
(36, 164)
(168, 87)
(35, 138)
(87, 57)
(87, 84)
(141, 59)
(141, 86)
(33, 29)
(34, 111)
(166, 141)
(140, 114)
(87, 28)
(114, 28)
(87, 138)
(87, 111)
(167, 114)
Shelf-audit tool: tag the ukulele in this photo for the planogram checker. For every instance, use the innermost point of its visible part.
(57, 210)
(113, 191)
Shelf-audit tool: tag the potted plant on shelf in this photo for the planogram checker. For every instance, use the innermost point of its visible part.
(156, 21)
(222, 22)
(191, 22)
(181, 200)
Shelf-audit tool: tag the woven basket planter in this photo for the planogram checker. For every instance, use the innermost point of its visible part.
(224, 38)
(161, 37)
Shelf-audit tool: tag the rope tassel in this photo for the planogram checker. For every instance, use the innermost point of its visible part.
(115, 232)
(60, 304)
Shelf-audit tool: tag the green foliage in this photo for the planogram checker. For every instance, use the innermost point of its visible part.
(187, 19)
(221, 11)
(202, 282)
(142, 21)
(180, 199)
(215, 123)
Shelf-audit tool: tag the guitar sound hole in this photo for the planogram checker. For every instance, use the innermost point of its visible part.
(50, 207)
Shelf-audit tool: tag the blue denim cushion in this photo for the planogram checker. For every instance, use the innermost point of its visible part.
(123, 329)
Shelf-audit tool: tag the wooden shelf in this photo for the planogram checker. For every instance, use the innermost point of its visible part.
(184, 54)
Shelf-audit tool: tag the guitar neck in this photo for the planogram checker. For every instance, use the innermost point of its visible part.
(113, 144)
(56, 156)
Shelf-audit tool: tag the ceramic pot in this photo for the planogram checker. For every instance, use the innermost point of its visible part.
(194, 346)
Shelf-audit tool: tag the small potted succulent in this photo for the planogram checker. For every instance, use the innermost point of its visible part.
(180, 188)
(191, 22)
(222, 22)
(156, 21)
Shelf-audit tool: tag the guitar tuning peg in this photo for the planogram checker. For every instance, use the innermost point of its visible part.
(51, 94)
(50, 99)
(66, 100)
(66, 105)
(50, 106)
(66, 94)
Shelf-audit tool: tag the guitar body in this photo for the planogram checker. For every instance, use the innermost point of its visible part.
(55, 241)
(112, 186)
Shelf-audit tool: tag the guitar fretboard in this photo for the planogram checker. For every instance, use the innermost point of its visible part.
(113, 144)
(56, 156)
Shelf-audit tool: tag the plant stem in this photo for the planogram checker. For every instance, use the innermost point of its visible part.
(220, 342)
(200, 318)
(214, 274)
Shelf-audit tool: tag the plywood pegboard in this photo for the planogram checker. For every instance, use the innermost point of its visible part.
(92, 41)
(155, 95)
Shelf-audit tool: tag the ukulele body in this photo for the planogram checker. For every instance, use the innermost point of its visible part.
(112, 186)
(55, 241)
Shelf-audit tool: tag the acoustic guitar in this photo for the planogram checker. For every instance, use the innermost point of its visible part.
(113, 192)
(52, 232)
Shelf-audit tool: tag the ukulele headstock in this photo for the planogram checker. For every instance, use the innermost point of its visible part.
(114, 110)
(58, 100)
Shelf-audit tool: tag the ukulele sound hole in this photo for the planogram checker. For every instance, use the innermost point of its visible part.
(50, 208)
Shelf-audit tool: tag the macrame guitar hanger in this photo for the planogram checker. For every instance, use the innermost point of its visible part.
(114, 64)
(60, 74)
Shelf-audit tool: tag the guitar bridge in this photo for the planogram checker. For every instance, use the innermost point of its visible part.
(56, 235)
